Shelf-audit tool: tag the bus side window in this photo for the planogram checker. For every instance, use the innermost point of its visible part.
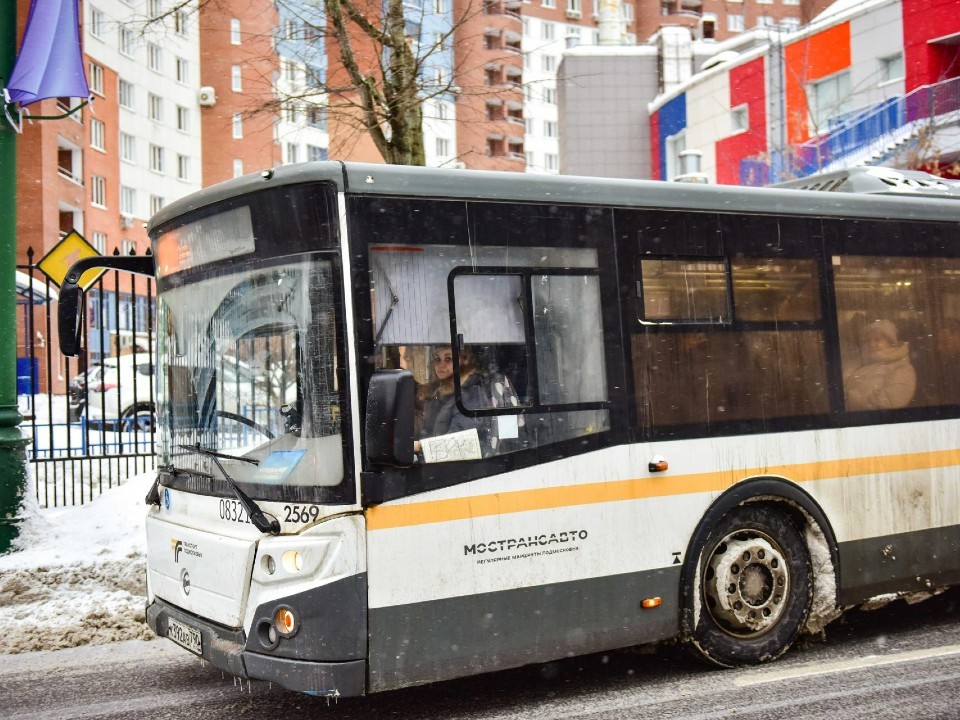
(896, 318)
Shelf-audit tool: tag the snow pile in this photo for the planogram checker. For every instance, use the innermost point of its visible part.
(77, 575)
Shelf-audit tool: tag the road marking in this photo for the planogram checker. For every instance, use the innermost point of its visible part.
(842, 665)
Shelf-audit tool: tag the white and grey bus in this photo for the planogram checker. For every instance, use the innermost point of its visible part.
(714, 414)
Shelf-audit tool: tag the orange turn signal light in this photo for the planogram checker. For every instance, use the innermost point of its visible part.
(285, 621)
(651, 603)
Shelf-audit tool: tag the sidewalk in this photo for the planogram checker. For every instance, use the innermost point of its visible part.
(77, 575)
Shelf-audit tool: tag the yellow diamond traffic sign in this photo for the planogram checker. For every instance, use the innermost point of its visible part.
(56, 263)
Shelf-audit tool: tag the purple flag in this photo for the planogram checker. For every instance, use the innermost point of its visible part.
(50, 63)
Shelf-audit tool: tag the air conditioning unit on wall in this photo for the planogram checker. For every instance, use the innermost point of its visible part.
(126, 221)
(207, 97)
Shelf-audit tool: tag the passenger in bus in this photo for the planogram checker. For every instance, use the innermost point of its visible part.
(885, 379)
(478, 390)
(434, 395)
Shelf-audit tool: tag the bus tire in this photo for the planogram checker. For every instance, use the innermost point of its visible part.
(751, 590)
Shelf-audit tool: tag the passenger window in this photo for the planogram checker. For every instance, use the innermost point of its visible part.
(569, 339)
(505, 343)
(693, 291)
(899, 328)
(776, 289)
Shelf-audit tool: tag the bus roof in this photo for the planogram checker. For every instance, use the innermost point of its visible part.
(406, 181)
(877, 180)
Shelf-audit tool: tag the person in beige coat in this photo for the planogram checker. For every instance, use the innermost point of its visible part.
(886, 378)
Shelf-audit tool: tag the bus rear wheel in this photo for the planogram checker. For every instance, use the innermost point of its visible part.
(752, 588)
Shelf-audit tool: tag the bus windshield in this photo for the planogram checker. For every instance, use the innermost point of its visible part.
(246, 367)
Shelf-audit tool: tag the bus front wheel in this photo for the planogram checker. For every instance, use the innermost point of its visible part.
(752, 588)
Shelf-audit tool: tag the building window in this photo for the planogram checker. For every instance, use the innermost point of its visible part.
(739, 119)
(154, 57)
(153, 8)
(155, 107)
(529, 157)
(627, 12)
(97, 133)
(765, 21)
(236, 79)
(128, 200)
(293, 153)
(735, 22)
(314, 77)
(99, 242)
(234, 31)
(237, 167)
(127, 42)
(97, 22)
(156, 204)
(442, 112)
(548, 31)
(125, 94)
(790, 24)
(180, 22)
(316, 117)
(829, 98)
(289, 71)
(443, 147)
(551, 162)
(237, 126)
(183, 167)
(550, 128)
(183, 71)
(791, 2)
(549, 3)
(96, 79)
(550, 96)
(98, 191)
(128, 148)
(315, 154)
(183, 119)
(549, 63)
(573, 8)
(891, 68)
(156, 158)
(292, 112)
(675, 144)
(528, 126)
(127, 247)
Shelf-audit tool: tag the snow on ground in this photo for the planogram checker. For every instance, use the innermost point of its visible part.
(76, 575)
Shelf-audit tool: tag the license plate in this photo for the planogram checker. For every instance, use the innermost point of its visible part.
(185, 636)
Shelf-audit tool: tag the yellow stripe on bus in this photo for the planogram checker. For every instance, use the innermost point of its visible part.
(384, 517)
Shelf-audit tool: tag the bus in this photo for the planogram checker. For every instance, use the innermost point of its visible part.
(416, 424)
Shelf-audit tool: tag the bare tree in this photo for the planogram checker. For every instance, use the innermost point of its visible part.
(380, 71)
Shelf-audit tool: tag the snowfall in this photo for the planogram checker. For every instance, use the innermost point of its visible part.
(76, 575)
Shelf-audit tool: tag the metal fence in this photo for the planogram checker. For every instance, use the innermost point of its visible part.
(90, 420)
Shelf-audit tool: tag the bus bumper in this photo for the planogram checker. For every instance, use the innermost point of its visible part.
(224, 649)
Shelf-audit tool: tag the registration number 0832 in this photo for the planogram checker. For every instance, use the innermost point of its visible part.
(185, 636)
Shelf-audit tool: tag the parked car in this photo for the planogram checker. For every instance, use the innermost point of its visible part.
(118, 394)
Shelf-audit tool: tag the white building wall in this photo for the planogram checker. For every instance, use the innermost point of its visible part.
(105, 50)
(440, 133)
(874, 36)
(708, 119)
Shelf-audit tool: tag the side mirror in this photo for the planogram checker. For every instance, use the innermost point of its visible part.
(388, 430)
(70, 308)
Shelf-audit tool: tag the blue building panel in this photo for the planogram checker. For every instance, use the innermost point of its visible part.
(672, 119)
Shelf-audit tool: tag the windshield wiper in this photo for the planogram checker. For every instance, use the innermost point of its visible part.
(254, 512)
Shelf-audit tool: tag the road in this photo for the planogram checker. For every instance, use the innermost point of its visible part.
(898, 662)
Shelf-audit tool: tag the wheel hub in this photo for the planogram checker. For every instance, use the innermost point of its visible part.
(748, 583)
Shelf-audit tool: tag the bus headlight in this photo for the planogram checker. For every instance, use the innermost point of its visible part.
(292, 561)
